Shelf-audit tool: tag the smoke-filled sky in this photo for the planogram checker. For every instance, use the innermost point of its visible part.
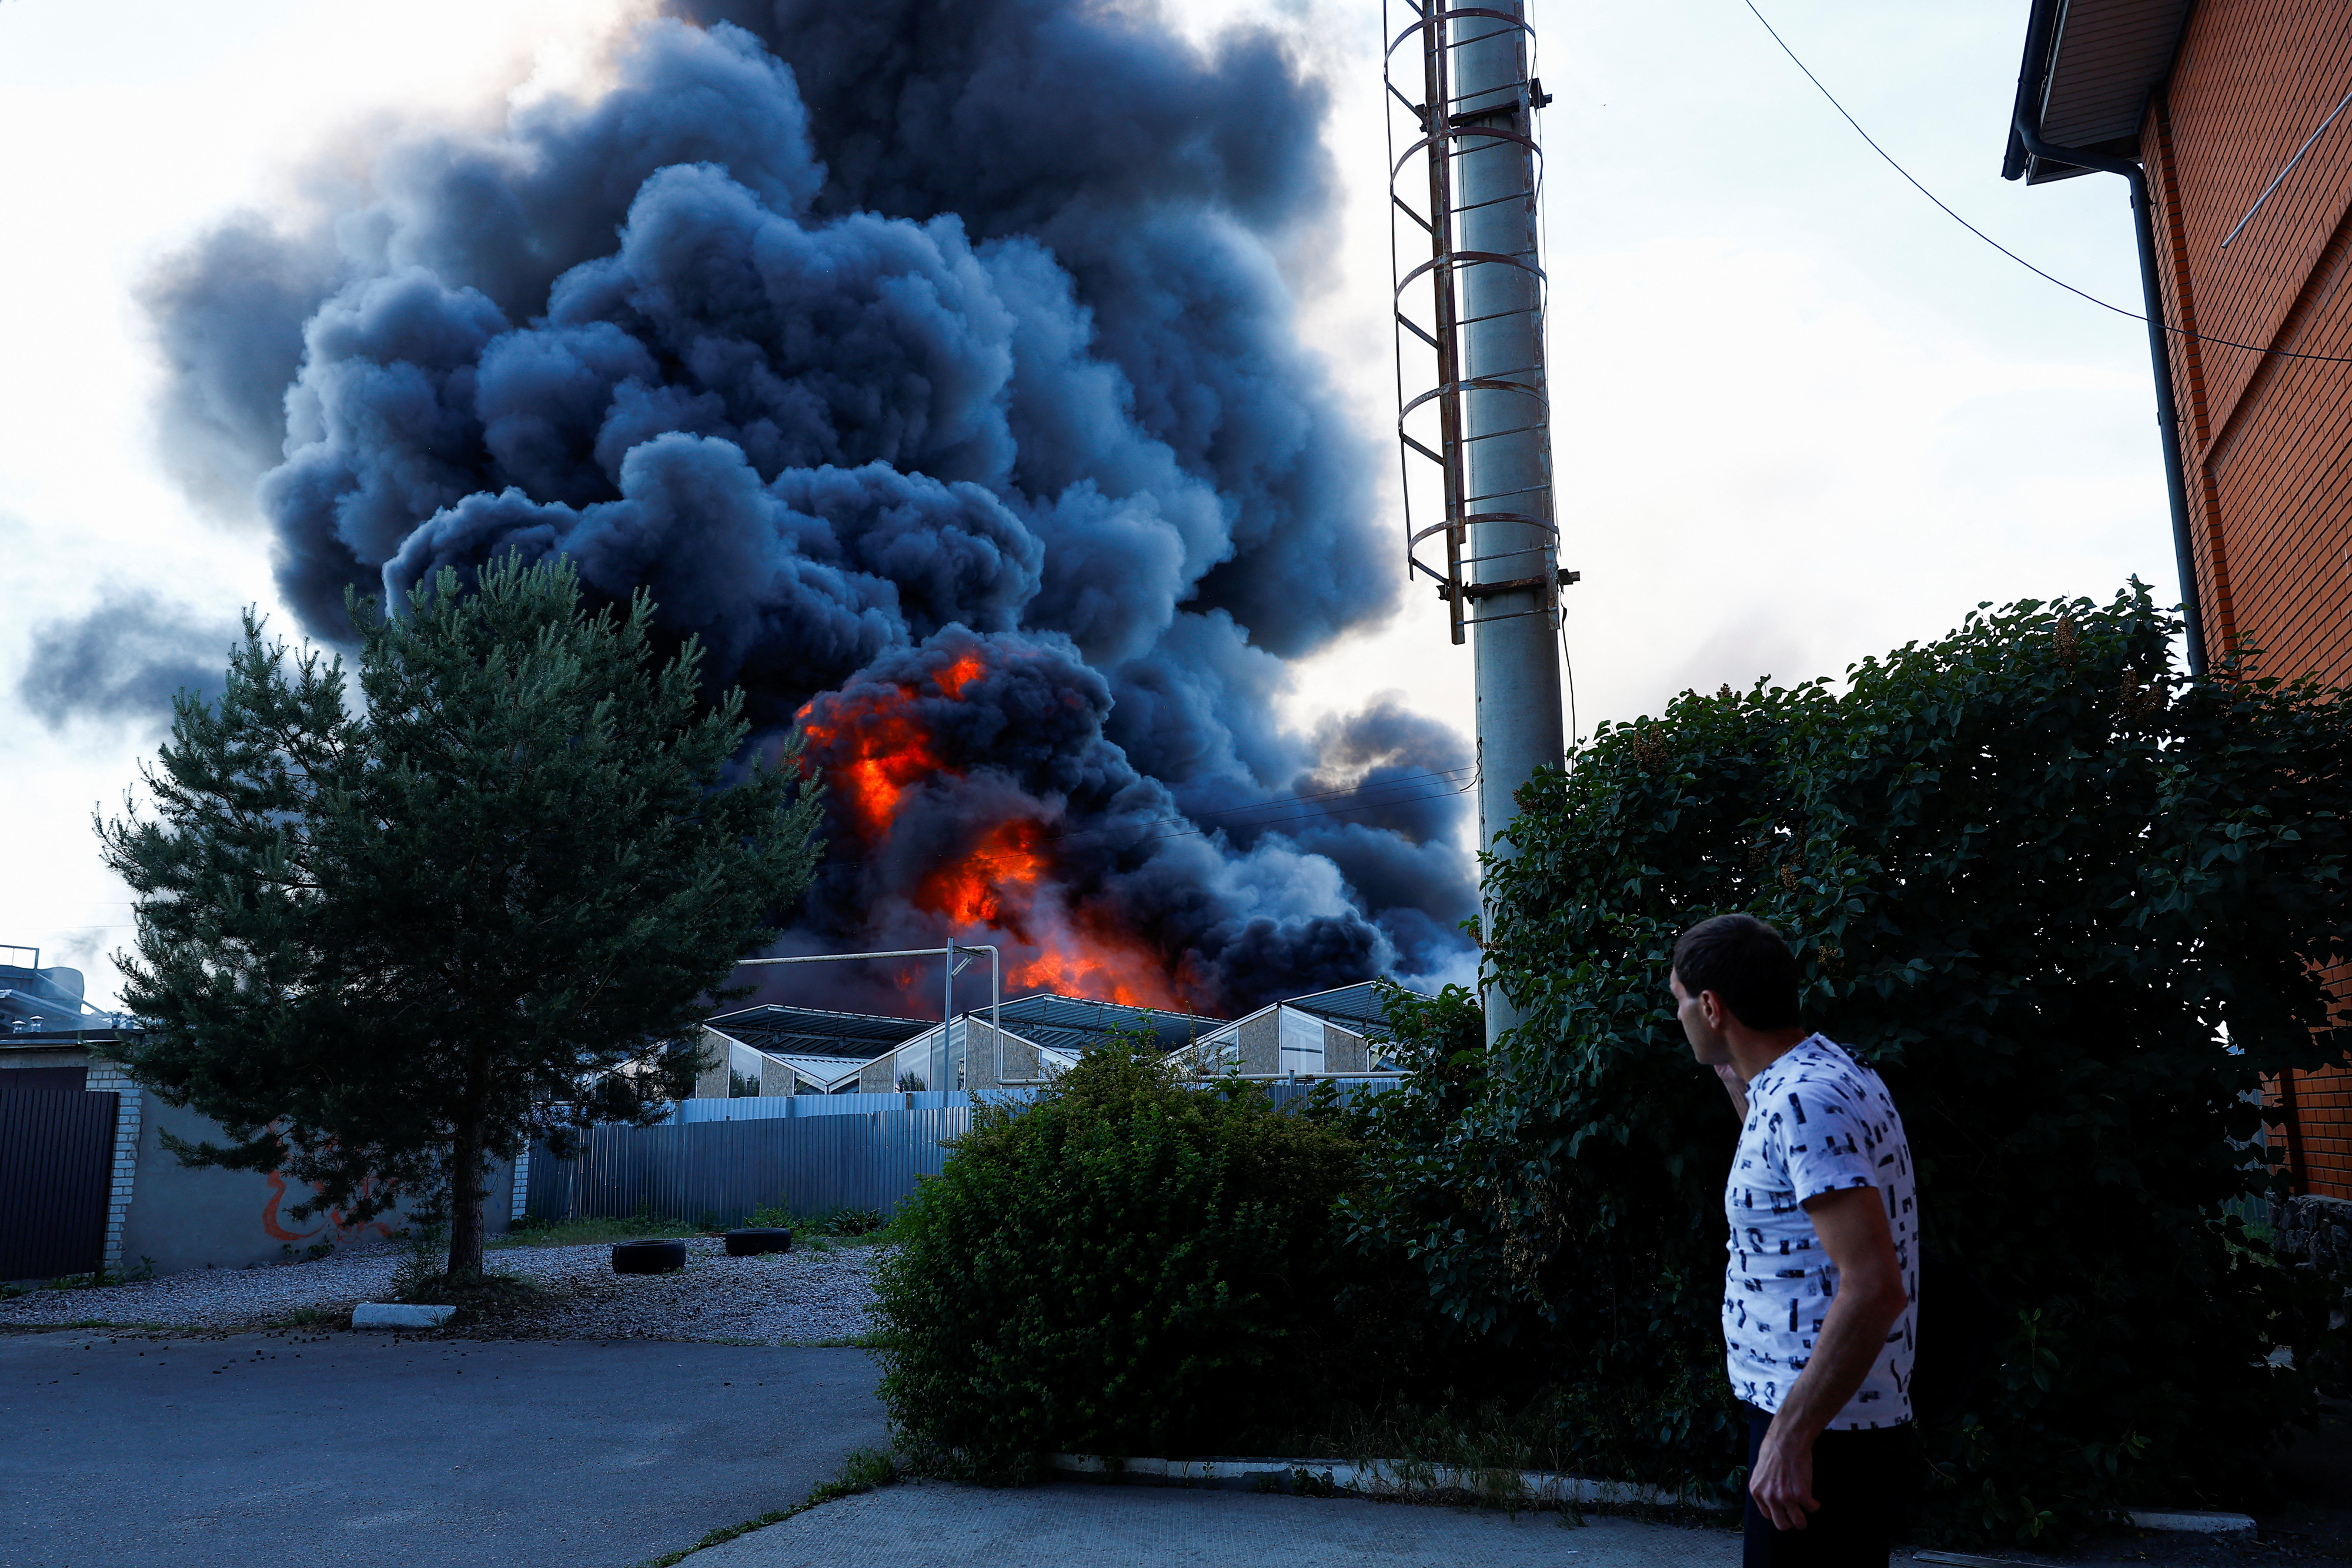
(1012, 377)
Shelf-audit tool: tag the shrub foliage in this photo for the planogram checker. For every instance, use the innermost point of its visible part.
(2070, 906)
(1125, 1267)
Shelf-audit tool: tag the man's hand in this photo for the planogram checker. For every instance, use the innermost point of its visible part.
(1783, 1481)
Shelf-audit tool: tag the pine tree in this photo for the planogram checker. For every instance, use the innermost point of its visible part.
(385, 944)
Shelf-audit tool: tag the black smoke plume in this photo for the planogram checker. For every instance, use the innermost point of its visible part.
(883, 343)
(123, 662)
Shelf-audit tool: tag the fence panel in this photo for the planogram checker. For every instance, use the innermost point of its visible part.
(773, 1151)
(728, 1169)
(57, 1164)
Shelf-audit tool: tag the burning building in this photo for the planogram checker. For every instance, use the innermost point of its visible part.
(932, 362)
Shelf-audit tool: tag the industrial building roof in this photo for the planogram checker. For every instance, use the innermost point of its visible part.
(1075, 1024)
(1065, 1024)
(827, 1074)
(1357, 1007)
(46, 1004)
(2089, 67)
(814, 1031)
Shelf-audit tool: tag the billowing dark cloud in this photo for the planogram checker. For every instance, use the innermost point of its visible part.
(865, 338)
(123, 662)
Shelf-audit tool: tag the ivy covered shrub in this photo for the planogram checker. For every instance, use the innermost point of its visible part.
(1123, 1267)
(2070, 906)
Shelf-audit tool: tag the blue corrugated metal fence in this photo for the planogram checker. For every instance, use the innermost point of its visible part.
(808, 1153)
(806, 1164)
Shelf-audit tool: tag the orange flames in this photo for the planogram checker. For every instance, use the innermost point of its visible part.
(874, 748)
(1109, 967)
(994, 883)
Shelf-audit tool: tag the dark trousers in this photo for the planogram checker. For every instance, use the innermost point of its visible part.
(1866, 1482)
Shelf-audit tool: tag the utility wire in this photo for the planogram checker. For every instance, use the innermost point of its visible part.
(2130, 315)
(1573, 737)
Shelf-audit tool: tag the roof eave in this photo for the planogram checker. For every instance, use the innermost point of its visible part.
(2032, 72)
(2126, 54)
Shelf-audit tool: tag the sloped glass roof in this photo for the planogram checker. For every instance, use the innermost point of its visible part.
(814, 1031)
(1356, 1006)
(1065, 1024)
(1075, 1024)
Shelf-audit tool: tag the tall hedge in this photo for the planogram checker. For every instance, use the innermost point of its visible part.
(2072, 906)
(1125, 1267)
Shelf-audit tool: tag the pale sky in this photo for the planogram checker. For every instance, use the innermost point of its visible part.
(1802, 416)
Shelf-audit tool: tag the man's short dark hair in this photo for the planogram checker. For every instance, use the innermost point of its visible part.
(1747, 965)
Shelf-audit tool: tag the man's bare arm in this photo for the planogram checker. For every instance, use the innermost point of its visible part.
(1853, 1226)
(1735, 1086)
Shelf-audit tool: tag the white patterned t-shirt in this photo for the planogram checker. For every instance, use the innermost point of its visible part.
(1818, 1120)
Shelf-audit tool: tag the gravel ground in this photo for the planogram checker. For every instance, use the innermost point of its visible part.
(780, 1299)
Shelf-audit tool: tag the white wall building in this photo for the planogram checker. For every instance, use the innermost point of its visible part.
(971, 1055)
(1282, 1041)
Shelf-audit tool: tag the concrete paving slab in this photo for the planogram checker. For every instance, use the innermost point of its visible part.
(382, 1452)
(1074, 1525)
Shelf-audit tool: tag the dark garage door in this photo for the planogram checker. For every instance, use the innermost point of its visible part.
(57, 1162)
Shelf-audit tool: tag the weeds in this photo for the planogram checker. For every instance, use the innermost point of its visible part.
(529, 1232)
(835, 1224)
(838, 1342)
(99, 1281)
(422, 1262)
(865, 1470)
(1492, 1436)
(842, 1223)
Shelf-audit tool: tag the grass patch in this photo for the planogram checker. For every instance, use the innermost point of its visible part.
(528, 1232)
(1487, 1446)
(836, 1342)
(863, 1471)
(845, 1224)
(821, 1230)
(843, 1243)
(80, 1323)
(97, 1281)
(306, 1317)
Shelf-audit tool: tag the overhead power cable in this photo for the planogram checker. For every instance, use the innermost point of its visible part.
(1898, 168)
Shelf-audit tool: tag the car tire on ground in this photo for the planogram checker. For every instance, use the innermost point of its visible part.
(754, 1240)
(648, 1257)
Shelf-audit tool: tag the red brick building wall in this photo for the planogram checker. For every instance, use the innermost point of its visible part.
(2266, 442)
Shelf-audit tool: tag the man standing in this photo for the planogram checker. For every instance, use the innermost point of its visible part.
(1819, 1293)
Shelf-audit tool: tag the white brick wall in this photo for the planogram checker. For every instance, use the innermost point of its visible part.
(106, 1077)
(521, 1185)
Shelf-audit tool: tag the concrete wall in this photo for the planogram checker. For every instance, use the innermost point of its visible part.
(178, 1218)
(715, 1080)
(182, 1218)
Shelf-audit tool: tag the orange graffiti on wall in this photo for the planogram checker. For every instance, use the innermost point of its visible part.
(345, 1230)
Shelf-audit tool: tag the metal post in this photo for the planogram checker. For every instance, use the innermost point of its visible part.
(1507, 496)
(995, 979)
(1464, 193)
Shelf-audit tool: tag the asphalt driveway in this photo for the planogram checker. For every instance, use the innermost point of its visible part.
(129, 1452)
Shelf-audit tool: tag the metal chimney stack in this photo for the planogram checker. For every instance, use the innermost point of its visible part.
(1475, 436)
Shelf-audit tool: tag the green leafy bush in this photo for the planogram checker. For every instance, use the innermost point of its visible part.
(2070, 907)
(1124, 1267)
